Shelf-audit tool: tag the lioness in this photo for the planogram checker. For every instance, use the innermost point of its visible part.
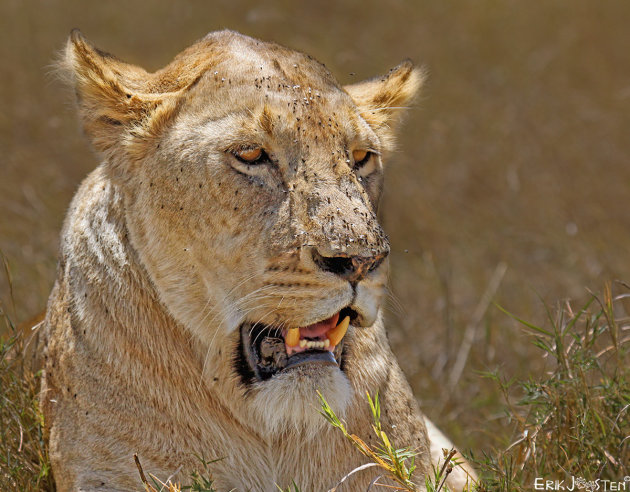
(221, 265)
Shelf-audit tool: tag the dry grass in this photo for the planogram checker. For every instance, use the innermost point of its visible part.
(574, 420)
(199, 481)
(23, 456)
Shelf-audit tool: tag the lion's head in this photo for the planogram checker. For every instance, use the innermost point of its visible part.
(251, 182)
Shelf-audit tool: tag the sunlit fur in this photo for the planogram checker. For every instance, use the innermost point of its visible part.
(170, 245)
(289, 404)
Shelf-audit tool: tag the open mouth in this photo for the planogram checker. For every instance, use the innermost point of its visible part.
(267, 350)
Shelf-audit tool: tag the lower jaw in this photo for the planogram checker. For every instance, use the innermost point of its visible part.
(323, 358)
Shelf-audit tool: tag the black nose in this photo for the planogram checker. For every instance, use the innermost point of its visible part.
(351, 268)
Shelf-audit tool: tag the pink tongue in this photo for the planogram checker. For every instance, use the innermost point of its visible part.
(319, 329)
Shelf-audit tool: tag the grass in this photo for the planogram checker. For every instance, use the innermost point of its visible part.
(200, 481)
(571, 423)
(24, 461)
(575, 420)
(398, 464)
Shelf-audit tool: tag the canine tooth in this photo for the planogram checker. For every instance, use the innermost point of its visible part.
(303, 342)
(293, 337)
(337, 333)
(326, 343)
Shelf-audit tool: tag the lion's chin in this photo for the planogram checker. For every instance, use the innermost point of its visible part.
(288, 402)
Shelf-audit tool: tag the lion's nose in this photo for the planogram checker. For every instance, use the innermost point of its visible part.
(350, 268)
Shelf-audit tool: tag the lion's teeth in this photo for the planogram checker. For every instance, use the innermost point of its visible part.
(314, 344)
(334, 336)
(337, 333)
(293, 337)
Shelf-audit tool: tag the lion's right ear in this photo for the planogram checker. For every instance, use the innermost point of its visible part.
(113, 97)
(381, 100)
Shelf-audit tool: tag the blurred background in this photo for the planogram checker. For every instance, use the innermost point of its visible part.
(511, 184)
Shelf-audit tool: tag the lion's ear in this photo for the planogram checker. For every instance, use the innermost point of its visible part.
(108, 101)
(381, 100)
(117, 101)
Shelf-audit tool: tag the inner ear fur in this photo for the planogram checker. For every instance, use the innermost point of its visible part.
(122, 106)
(381, 100)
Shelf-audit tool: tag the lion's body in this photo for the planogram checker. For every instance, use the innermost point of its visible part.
(142, 391)
(167, 250)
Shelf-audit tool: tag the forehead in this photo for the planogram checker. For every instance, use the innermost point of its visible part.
(243, 57)
(260, 79)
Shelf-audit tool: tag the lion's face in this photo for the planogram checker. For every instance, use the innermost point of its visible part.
(251, 198)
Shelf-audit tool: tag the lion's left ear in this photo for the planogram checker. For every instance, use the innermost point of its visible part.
(123, 108)
(381, 100)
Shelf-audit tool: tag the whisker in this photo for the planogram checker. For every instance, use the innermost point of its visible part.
(397, 304)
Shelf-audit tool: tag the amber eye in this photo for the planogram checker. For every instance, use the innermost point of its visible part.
(361, 157)
(252, 156)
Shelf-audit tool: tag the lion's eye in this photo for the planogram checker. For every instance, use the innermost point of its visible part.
(361, 158)
(252, 156)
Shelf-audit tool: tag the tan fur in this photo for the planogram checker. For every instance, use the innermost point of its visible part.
(169, 246)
